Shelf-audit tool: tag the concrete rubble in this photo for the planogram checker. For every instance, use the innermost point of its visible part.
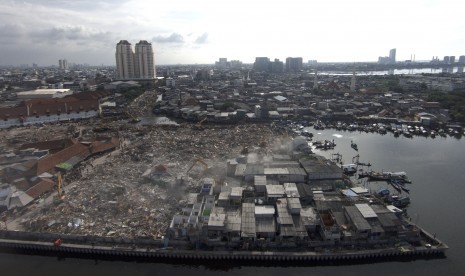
(110, 195)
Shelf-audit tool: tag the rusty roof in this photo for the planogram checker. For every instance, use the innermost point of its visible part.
(40, 188)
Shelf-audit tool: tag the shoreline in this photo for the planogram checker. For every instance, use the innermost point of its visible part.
(154, 251)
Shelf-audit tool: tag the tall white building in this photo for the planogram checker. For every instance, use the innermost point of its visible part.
(124, 60)
(144, 66)
(63, 64)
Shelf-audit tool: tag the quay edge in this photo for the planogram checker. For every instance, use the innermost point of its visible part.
(151, 254)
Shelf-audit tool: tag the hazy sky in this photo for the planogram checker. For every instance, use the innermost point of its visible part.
(201, 31)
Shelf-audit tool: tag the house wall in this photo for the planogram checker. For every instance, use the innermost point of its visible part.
(48, 119)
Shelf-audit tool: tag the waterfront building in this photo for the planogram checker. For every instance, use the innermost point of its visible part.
(391, 59)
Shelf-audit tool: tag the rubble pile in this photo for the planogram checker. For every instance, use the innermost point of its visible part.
(113, 198)
(13, 138)
(143, 104)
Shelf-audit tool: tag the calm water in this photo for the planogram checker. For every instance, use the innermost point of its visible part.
(434, 165)
(451, 70)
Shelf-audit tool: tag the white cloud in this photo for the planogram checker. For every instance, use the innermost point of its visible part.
(201, 31)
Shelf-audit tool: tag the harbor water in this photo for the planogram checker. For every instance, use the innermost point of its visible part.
(435, 167)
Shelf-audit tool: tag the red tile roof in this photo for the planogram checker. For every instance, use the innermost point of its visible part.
(52, 145)
(40, 188)
(48, 163)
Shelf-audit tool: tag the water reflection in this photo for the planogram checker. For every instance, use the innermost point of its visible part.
(153, 120)
(410, 71)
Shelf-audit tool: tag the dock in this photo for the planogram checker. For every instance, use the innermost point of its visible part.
(155, 251)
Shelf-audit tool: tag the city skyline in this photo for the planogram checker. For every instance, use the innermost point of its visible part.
(184, 32)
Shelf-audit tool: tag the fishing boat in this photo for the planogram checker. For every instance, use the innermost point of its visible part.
(324, 144)
(353, 145)
(349, 169)
(402, 202)
(400, 185)
(383, 192)
(396, 186)
(388, 176)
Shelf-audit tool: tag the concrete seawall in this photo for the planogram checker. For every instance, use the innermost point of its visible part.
(153, 251)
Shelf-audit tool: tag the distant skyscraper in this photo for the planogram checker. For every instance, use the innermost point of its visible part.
(63, 64)
(261, 64)
(462, 59)
(452, 59)
(315, 81)
(293, 64)
(222, 63)
(277, 66)
(352, 82)
(124, 60)
(144, 66)
(392, 55)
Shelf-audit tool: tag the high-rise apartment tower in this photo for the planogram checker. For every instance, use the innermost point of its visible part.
(144, 67)
(392, 55)
(124, 60)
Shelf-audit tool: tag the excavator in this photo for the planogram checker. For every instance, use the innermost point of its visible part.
(60, 193)
(133, 119)
(199, 126)
(197, 160)
(185, 179)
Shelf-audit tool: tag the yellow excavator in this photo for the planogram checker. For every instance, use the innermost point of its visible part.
(133, 119)
(60, 193)
(198, 160)
(185, 179)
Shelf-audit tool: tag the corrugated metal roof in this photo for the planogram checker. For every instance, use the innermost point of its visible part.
(248, 229)
(260, 180)
(265, 210)
(216, 220)
(233, 221)
(359, 190)
(366, 210)
(274, 190)
(293, 203)
(357, 218)
(265, 225)
(284, 217)
(274, 171)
